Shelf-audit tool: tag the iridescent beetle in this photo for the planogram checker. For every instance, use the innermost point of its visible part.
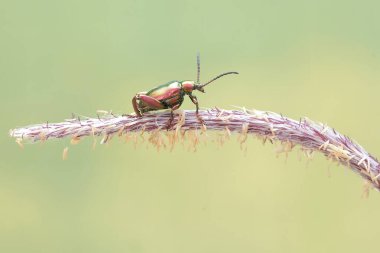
(170, 95)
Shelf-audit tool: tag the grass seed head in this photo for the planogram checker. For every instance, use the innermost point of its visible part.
(310, 136)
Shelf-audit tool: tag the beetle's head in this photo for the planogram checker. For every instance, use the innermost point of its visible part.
(199, 87)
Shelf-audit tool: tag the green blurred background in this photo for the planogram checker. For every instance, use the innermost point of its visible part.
(318, 59)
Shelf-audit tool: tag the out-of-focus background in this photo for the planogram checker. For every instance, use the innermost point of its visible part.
(318, 59)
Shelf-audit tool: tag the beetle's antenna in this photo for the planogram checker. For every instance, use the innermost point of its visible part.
(217, 77)
(199, 67)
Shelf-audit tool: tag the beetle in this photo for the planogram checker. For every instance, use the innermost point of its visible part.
(171, 94)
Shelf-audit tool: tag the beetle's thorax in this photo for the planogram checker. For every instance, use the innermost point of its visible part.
(188, 86)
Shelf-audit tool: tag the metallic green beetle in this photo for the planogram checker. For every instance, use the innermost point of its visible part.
(170, 95)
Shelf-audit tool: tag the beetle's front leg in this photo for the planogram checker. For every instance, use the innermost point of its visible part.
(195, 101)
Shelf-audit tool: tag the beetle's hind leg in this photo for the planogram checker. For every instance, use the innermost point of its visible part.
(135, 106)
